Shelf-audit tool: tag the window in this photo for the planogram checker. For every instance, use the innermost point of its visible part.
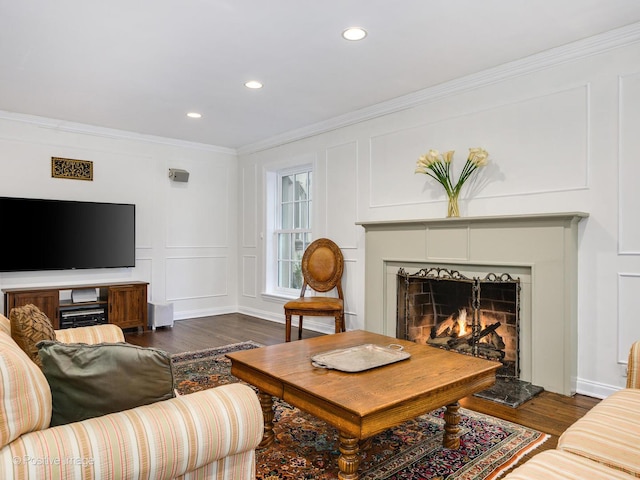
(292, 232)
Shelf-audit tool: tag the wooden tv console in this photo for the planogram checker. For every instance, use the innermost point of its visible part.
(124, 303)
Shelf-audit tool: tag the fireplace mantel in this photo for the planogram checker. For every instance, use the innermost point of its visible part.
(545, 244)
(497, 219)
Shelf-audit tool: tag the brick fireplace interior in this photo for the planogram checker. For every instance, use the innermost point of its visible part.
(475, 316)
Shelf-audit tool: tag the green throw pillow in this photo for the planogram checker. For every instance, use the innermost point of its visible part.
(88, 381)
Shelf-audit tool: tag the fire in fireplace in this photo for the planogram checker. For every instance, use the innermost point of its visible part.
(475, 316)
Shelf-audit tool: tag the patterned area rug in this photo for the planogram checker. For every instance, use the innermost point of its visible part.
(306, 448)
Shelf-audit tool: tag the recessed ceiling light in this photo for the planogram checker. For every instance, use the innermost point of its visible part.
(194, 115)
(253, 84)
(354, 33)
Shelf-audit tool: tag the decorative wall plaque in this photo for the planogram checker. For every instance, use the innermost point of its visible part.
(74, 169)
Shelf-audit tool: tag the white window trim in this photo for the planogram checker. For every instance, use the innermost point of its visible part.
(272, 290)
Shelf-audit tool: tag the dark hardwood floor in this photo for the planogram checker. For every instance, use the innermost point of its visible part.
(216, 331)
(548, 412)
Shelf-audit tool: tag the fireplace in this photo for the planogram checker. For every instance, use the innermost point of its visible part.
(475, 316)
(539, 249)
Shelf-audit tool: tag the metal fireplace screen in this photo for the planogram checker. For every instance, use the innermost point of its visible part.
(475, 316)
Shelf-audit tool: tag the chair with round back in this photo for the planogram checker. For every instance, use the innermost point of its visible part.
(322, 267)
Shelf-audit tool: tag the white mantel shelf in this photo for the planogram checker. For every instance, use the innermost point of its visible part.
(529, 217)
(544, 246)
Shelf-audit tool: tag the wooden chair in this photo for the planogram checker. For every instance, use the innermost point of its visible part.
(322, 267)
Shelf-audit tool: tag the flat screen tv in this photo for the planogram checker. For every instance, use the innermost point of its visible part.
(61, 235)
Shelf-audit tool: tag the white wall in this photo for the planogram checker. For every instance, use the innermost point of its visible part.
(186, 241)
(562, 132)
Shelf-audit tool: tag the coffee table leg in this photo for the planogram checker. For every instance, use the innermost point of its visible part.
(451, 438)
(266, 401)
(349, 459)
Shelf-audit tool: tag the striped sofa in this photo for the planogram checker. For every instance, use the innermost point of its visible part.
(210, 434)
(602, 445)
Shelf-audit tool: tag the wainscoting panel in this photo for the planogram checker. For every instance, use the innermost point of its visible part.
(249, 276)
(539, 144)
(342, 190)
(249, 217)
(629, 95)
(349, 287)
(196, 277)
(197, 210)
(628, 325)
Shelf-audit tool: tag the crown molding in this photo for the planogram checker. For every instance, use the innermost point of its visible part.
(597, 44)
(70, 127)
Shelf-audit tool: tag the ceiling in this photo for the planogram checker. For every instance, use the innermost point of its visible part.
(141, 65)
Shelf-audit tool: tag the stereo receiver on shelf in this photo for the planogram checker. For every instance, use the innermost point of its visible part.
(82, 317)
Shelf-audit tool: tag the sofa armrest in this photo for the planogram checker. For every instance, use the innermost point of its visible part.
(5, 325)
(109, 333)
(633, 367)
(159, 441)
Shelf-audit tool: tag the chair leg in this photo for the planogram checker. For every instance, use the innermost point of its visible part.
(300, 328)
(338, 326)
(287, 318)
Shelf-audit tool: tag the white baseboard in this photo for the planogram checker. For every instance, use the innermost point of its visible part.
(263, 314)
(594, 389)
(187, 314)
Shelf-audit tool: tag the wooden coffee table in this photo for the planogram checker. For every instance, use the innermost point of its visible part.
(365, 403)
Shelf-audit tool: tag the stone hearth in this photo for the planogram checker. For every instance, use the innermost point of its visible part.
(541, 248)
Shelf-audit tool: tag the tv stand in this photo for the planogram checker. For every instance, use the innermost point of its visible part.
(124, 303)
